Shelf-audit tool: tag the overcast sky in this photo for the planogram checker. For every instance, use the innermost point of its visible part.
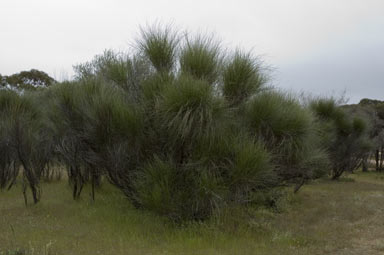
(318, 46)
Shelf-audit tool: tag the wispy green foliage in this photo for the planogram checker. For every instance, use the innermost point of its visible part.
(344, 136)
(159, 45)
(119, 69)
(290, 133)
(8, 162)
(94, 118)
(250, 168)
(242, 77)
(324, 108)
(201, 57)
(278, 117)
(188, 109)
(187, 191)
(24, 140)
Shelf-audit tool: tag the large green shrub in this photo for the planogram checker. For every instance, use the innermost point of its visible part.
(180, 126)
(208, 136)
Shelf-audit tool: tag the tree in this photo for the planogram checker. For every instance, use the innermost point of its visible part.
(27, 80)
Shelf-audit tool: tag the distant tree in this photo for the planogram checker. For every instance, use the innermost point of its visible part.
(27, 80)
(367, 101)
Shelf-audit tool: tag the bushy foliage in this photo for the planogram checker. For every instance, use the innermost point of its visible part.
(89, 118)
(24, 140)
(8, 163)
(180, 126)
(117, 69)
(159, 45)
(344, 136)
(201, 58)
(289, 131)
(373, 112)
(241, 77)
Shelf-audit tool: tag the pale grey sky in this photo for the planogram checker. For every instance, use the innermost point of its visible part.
(318, 46)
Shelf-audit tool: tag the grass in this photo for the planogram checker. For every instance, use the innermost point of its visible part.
(326, 217)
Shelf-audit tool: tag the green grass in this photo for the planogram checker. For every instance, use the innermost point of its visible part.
(326, 217)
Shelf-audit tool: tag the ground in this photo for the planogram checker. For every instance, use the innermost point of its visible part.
(325, 217)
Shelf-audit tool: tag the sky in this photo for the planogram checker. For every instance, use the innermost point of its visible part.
(322, 47)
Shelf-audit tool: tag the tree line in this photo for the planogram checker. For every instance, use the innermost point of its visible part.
(181, 126)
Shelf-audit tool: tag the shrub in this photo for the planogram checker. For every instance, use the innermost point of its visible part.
(289, 131)
(181, 127)
(344, 137)
(25, 137)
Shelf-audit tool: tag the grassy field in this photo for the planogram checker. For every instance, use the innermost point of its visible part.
(326, 217)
